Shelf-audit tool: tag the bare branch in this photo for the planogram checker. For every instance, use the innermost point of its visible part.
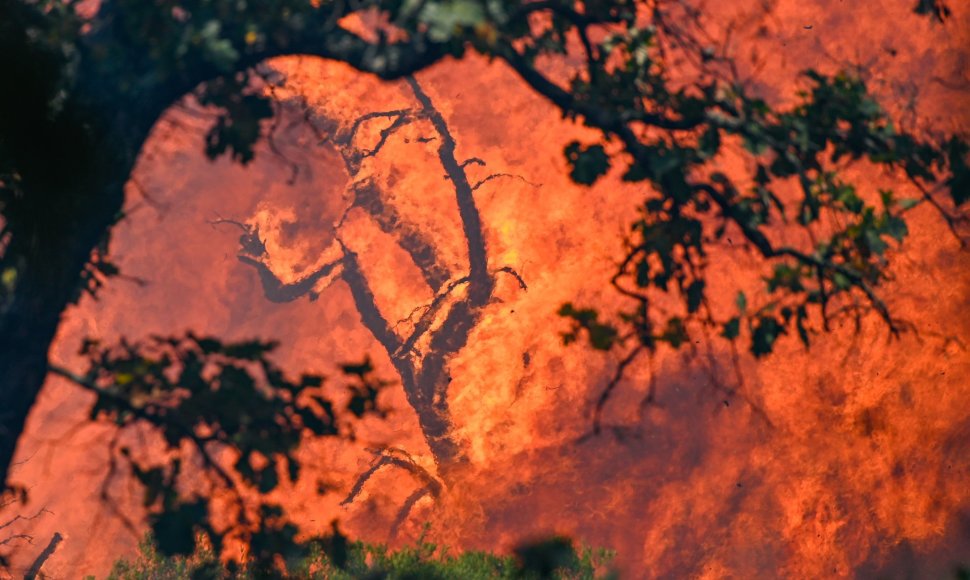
(370, 314)
(26, 537)
(426, 391)
(408, 505)
(952, 222)
(368, 196)
(353, 156)
(396, 458)
(472, 161)
(42, 558)
(610, 386)
(480, 281)
(510, 271)
(426, 320)
(276, 291)
(19, 518)
(499, 175)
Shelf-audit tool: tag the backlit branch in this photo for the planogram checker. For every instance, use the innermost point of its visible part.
(408, 506)
(19, 518)
(369, 197)
(276, 291)
(370, 314)
(485, 180)
(431, 312)
(394, 458)
(34, 570)
(442, 326)
(612, 384)
(511, 272)
(353, 155)
(480, 282)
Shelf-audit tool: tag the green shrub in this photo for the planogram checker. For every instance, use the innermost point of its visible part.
(339, 560)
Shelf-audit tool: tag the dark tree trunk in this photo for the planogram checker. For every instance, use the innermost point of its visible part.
(61, 188)
(423, 370)
(50, 251)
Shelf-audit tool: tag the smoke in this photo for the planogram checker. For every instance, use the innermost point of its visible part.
(850, 459)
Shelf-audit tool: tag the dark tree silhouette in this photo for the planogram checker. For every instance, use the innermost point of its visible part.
(420, 346)
(91, 80)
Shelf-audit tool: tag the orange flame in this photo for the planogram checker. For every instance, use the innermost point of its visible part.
(852, 458)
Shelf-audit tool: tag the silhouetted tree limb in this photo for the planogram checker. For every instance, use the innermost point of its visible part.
(92, 84)
(480, 283)
(618, 374)
(276, 291)
(42, 558)
(370, 314)
(110, 86)
(493, 176)
(394, 458)
(423, 373)
(430, 314)
(511, 272)
(353, 155)
(408, 505)
(424, 254)
(11, 536)
(19, 518)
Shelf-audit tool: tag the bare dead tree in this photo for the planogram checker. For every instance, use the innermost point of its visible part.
(420, 346)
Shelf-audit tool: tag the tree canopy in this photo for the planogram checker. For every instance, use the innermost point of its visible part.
(87, 82)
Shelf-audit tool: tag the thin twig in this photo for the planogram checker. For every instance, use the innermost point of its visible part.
(610, 386)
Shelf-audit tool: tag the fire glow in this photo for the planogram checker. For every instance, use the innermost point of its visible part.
(849, 459)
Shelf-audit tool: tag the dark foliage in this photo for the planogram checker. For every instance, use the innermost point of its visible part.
(89, 88)
(225, 414)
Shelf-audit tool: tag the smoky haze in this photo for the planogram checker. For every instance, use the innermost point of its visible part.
(849, 459)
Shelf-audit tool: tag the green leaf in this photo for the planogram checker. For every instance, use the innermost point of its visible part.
(874, 242)
(675, 333)
(764, 335)
(896, 228)
(710, 142)
(742, 302)
(602, 336)
(841, 281)
(732, 328)
(588, 164)
(908, 203)
(447, 19)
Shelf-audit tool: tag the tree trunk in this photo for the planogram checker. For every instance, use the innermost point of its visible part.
(49, 250)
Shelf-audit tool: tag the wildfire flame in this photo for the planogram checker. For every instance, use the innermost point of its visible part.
(850, 459)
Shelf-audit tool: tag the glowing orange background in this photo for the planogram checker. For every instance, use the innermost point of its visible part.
(864, 468)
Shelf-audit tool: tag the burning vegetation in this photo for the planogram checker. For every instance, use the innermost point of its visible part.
(685, 282)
